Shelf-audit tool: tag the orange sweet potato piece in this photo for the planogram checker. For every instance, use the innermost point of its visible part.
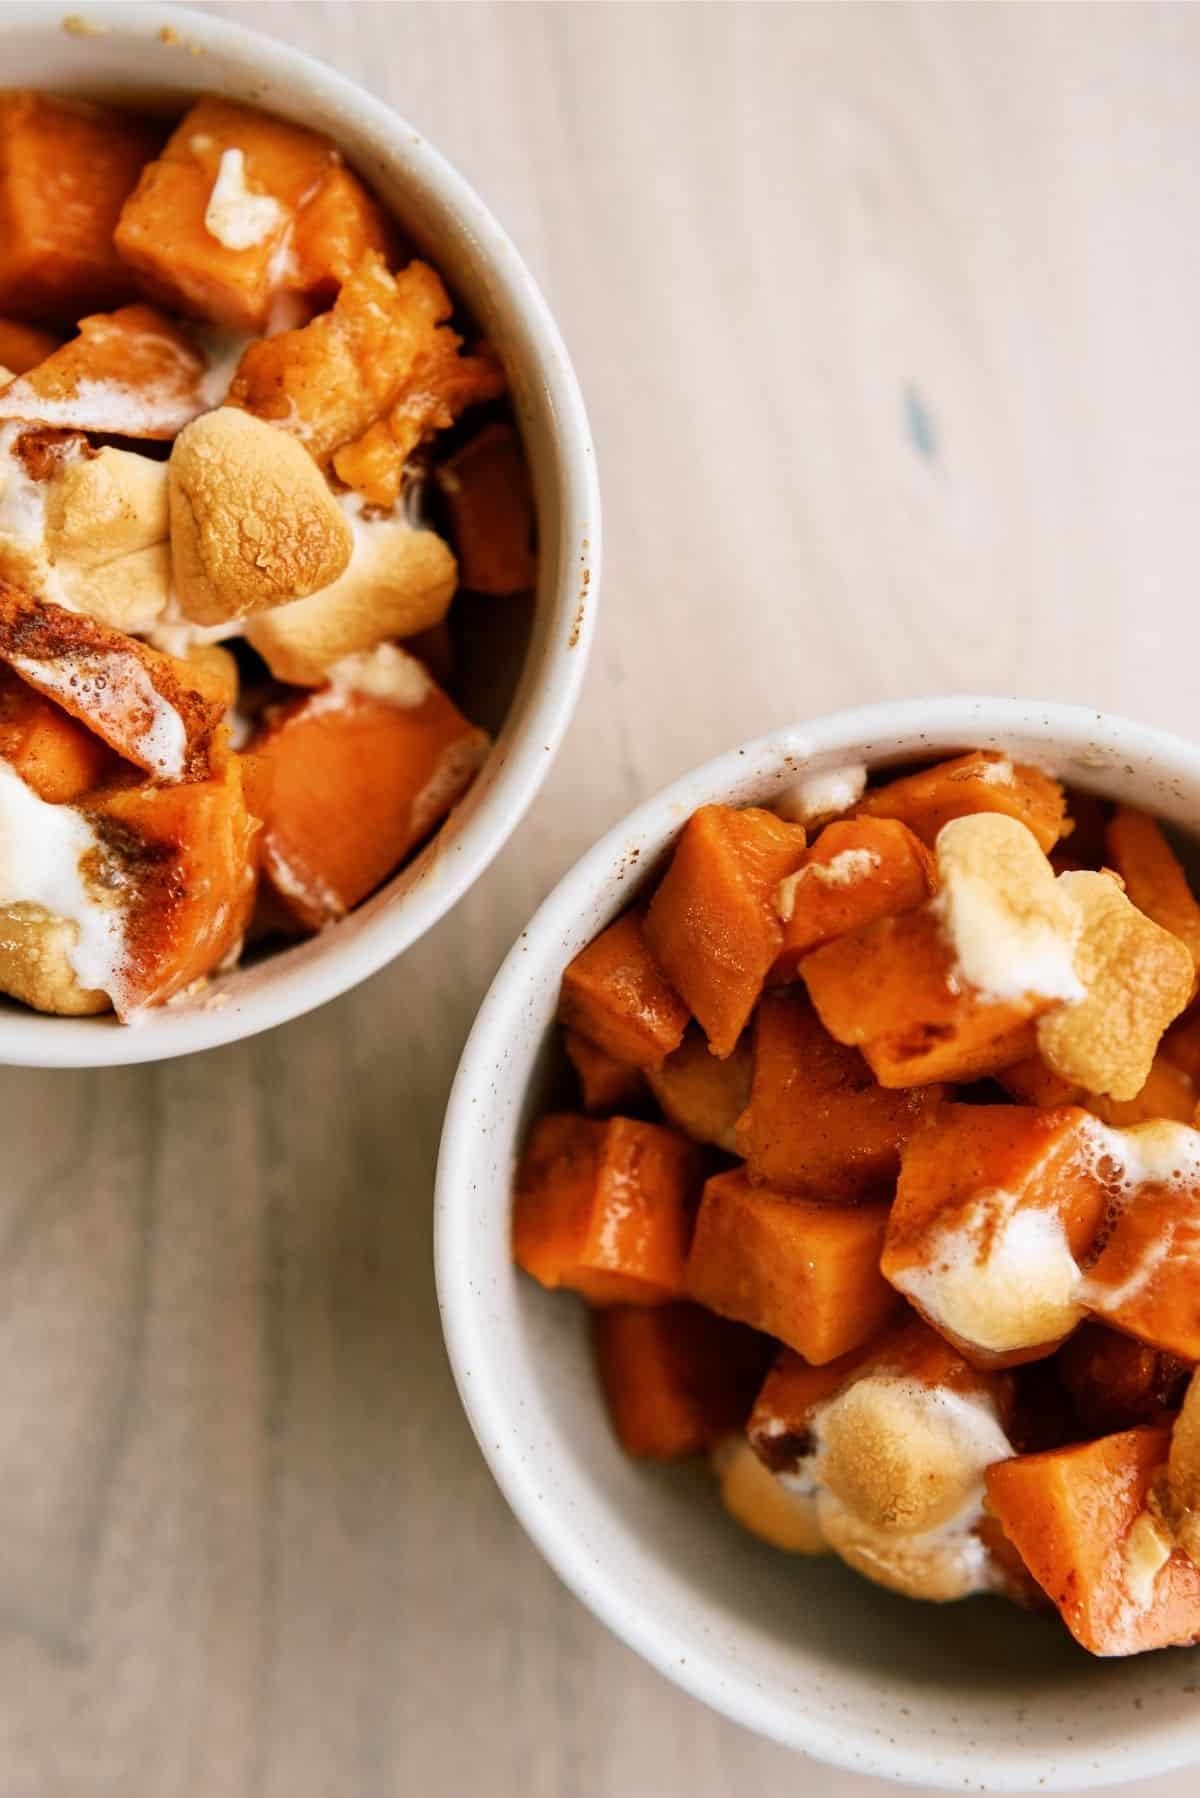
(131, 373)
(65, 170)
(712, 925)
(440, 386)
(676, 1379)
(983, 781)
(137, 700)
(1181, 1044)
(994, 1207)
(318, 222)
(384, 353)
(186, 854)
(605, 1208)
(1154, 879)
(889, 990)
(1031, 1082)
(606, 1084)
(51, 752)
(1070, 1513)
(614, 994)
(1146, 1280)
(1115, 1382)
(702, 1095)
(803, 1272)
(23, 346)
(358, 783)
(856, 871)
(817, 1121)
(490, 502)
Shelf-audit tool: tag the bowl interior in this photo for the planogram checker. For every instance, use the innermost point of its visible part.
(522, 661)
(978, 1694)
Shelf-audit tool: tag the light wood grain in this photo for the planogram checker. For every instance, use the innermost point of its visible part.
(887, 320)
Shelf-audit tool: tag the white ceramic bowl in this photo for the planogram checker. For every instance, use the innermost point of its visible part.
(164, 53)
(978, 1695)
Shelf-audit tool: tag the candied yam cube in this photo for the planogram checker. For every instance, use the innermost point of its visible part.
(183, 855)
(65, 170)
(329, 381)
(50, 750)
(994, 1208)
(890, 989)
(490, 502)
(983, 781)
(1154, 878)
(1137, 979)
(817, 1121)
(140, 702)
(614, 994)
(712, 924)
(699, 1093)
(1181, 1044)
(854, 872)
(605, 1083)
(1078, 1518)
(1146, 1279)
(131, 373)
(605, 1208)
(764, 1505)
(1116, 1382)
(22, 347)
(1031, 1082)
(800, 1271)
(676, 1379)
(241, 208)
(359, 781)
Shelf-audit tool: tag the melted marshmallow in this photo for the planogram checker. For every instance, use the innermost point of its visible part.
(822, 793)
(237, 218)
(1022, 1291)
(1004, 947)
(115, 683)
(387, 673)
(43, 849)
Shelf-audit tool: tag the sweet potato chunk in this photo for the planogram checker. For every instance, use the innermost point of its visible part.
(605, 1208)
(764, 1505)
(712, 925)
(490, 502)
(614, 994)
(676, 1378)
(1078, 1518)
(1146, 1280)
(65, 170)
(803, 1272)
(22, 347)
(1154, 880)
(51, 752)
(241, 208)
(1031, 1082)
(131, 373)
(855, 872)
(1169, 1092)
(439, 387)
(1115, 1382)
(984, 781)
(702, 1095)
(184, 856)
(384, 353)
(358, 783)
(139, 701)
(994, 1208)
(817, 1121)
(605, 1084)
(889, 989)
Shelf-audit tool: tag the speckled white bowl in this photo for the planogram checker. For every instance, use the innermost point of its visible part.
(158, 53)
(978, 1695)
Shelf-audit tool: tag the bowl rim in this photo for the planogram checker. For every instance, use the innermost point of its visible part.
(546, 695)
(1104, 744)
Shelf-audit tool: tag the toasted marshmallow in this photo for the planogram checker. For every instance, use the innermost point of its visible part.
(822, 794)
(1011, 929)
(763, 1504)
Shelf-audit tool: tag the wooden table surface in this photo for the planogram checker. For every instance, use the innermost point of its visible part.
(887, 321)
